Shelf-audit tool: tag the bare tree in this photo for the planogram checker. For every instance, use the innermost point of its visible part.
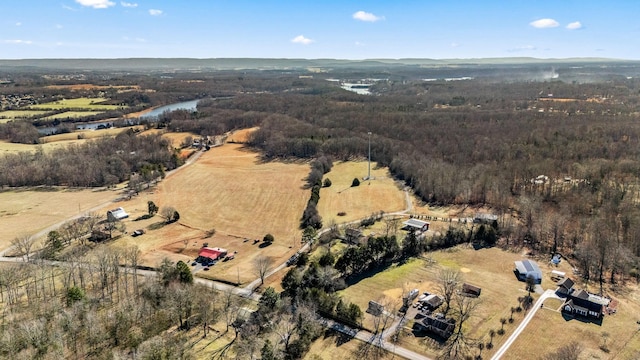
(132, 255)
(448, 282)
(167, 213)
(24, 244)
(570, 351)
(459, 345)
(261, 266)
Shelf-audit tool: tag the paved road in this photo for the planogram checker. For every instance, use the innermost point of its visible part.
(547, 294)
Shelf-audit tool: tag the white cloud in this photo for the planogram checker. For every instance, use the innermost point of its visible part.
(18, 24)
(19, 42)
(300, 39)
(454, 44)
(358, 43)
(155, 12)
(365, 16)
(96, 4)
(544, 23)
(574, 25)
(58, 26)
(127, 4)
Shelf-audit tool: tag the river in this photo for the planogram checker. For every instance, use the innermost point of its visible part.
(151, 116)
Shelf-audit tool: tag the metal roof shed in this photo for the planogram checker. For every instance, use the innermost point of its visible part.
(526, 268)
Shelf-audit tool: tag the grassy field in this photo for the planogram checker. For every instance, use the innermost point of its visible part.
(72, 114)
(19, 114)
(24, 212)
(92, 104)
(228, 189)
(241, 136)
(551, 331)
(380, 194)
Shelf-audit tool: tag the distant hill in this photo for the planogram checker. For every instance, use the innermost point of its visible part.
(190, 64)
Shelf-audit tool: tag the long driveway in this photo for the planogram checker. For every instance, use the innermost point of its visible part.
(532, 312)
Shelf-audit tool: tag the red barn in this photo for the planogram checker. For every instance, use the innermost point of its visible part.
(207, 253)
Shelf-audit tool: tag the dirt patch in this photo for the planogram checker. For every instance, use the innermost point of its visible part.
(465, 270)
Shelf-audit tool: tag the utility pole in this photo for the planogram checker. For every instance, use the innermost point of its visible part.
(369, 173)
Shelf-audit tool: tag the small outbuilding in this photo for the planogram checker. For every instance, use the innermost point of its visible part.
(471, 290)
(415, 224)
(117, 214)
(526, 268)
(484, 218)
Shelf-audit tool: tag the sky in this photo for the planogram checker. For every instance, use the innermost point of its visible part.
(338, 29)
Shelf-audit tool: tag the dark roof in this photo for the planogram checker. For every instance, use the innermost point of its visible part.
(468, 288)
(566, 283)
(580, 294)
(584, 303)
(444, 325)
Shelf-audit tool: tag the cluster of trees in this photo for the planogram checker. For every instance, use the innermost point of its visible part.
(101, 162)
(310, 216)
(318, 282)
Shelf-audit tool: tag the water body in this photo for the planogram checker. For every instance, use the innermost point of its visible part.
(151, 116)
(190, 105)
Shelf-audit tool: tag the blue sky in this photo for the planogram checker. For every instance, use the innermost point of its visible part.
(341, 29)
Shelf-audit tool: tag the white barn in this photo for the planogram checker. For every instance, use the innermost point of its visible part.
(117, 214)
(416, 224)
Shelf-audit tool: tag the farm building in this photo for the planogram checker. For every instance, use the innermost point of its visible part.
(526, 268)
(209, 254)
(471, 290)
(432, 301)
(117, 214)
(415, 224)
(484, 218)
(439, 325)
(353, 235)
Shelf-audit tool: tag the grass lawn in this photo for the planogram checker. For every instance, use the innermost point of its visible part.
(380, 194)
(551, 331)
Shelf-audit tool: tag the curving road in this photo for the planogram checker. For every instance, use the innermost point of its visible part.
(547, 294)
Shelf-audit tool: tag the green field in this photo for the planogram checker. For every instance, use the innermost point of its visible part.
(21, 114)
(72, 114)
(90, 104)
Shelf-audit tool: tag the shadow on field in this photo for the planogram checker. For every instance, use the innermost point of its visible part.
(340, 338)
(569, 317)
(354, 279)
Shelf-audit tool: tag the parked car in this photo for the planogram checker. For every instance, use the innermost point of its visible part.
(138, 232)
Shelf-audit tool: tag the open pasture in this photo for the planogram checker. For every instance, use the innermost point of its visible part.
(241, 136)
(89, 104)
(380, 194)
(25, 212)
(230, 190)
(21, 114)
(72, 115)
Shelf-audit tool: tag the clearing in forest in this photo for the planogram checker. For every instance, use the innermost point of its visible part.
(380, 194)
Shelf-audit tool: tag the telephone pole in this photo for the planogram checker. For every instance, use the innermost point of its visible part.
(369, 172)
